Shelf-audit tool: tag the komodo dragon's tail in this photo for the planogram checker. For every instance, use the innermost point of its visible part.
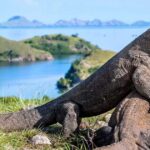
(26, 119)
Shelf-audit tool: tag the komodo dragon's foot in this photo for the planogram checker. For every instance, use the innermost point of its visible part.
(131, 124)
(68, 116)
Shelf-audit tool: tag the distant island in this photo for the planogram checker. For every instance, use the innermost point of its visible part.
(14, 51)
(22, 22)
(44, 47)
(59, 44)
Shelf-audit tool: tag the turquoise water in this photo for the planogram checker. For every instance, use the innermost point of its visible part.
(31, 80)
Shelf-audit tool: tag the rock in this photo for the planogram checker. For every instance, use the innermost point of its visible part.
(40, 140)
(107, 117)
(29, 107)
(102, 123)
(103, 136)
(84, 125)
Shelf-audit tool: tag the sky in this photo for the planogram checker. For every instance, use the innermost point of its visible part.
(49, 11)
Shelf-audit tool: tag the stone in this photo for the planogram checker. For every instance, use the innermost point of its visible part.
(107, 118)
(102, 123)
(29, 107)
(84, 125)
(40, 140)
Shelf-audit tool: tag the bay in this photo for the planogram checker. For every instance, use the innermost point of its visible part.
(34, 80)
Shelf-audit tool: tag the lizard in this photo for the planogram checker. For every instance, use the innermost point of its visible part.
(102, 91)
(130, 123)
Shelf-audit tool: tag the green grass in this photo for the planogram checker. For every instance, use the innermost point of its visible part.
(13, 49)
(84, 67)
(11, 104)
(19, 140)
(91, 62)
(59, 44)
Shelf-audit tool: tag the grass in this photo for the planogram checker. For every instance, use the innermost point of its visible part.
(92, 62)
(84, 67)
(13, 49)
(43, 47)
(19, 140)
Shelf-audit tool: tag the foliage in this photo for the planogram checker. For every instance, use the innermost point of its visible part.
(58, 44)
(75, 35)
(13, 49)
(81, 69)
(63, 83)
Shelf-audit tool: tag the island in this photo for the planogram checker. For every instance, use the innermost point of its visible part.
(16, 51)
(58, 44)
(84, 67)
(44, 47)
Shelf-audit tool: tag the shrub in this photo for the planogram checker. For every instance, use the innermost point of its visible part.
(60, 37)
(75, 35)
(63, 83)
(79, 45)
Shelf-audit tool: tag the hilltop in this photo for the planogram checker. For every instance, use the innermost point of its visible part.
(13, 51)
(43, 47)
(59, 44)
(82, 68)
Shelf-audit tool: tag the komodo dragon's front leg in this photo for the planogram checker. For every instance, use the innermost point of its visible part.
(141, 79)
(70, 111)
(68, 116)
(131, 124)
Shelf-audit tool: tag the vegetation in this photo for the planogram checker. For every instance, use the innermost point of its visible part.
(59, 44)
(30, 50)
(19, 140)
(43, 47)
(18, 51)
(82, 68)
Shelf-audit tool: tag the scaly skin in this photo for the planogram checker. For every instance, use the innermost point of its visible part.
(99, 93)
(131, 124)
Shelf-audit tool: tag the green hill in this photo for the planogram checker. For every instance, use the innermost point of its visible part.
(59, 44)
(82, 68)
(13, 51)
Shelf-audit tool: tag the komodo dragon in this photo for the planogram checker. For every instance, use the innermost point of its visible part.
(130, 123)
(100, 92)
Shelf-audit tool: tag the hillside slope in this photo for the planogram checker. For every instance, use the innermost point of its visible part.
(59, 44)
(13, 51)
(82, 68)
